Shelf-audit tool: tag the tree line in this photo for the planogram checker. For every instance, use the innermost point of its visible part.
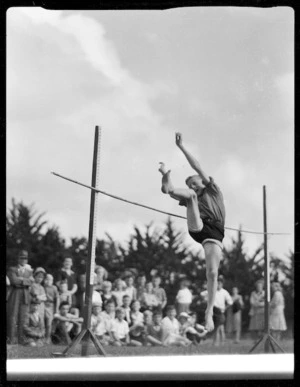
(147, 250)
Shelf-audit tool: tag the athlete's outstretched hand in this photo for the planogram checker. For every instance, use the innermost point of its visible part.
(178, 139)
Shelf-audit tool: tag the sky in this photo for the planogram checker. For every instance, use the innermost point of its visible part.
(222, 76)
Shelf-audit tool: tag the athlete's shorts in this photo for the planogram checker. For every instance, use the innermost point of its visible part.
(211, 232)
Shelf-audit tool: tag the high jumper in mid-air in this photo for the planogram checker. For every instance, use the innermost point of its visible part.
(205, 219)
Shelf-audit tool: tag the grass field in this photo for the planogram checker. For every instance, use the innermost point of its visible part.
(205, 348)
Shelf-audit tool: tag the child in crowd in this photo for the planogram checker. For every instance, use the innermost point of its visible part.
(98, 325)
(140, 286)
(120, 329)
(109, 314)
(149, 300)
(170, 329)
(130, 290)
(119, 291)
(63, 293)
(154, 334)
(184, 298)
(136, 330)
(127, 309)
(66, 273)
(106, 293)
(37, 291)
(34, 329)
(65, 325)
(51, 305)
(187, 330)
(100, 276)
(159, 292)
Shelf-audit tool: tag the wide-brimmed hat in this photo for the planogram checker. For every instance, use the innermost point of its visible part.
(39, 270)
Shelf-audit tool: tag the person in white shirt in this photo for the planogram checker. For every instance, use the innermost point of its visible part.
(184, 298)
(120, 330)
(130, 290)
(222, 301)
(170, 329)
(98, 325)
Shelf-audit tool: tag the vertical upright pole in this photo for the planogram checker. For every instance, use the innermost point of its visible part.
(266, 272)
(90, 265)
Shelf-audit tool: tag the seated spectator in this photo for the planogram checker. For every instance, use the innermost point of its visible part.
(136, 328)
(37, 291)
(127, 309)
(170, 329)
(51, 305)
(120, 331)
(106, 293)
(159, 292)
(183, 298)
(101, 275)
(154, 330)
(66, 273)
(108, 314)
(140, 286)
(65, 325)
(98, 324)
(277, 305)
(119, 291)
(96, 298)
(34, 329)
(149, 301)
(130, 290)
(188, 331)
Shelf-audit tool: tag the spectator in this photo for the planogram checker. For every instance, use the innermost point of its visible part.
(65, 325)
(127, 309)
(64, 294)
(98, 325)
(81, 280)
(183, 298)
(202, 302)
(106, 293)
(234, 315)
(172, 287)
(188, 331)
(51, 305)
(34, 328)
(96, 298)
(101, 275)
(136, 328)
(120, 330)
(119, 291)
(222, 300)
(149, 300)
(20, 278)
(108, 314)
(170, 329)
(277, 318)
(66, 273)
(130, 290)
(154, 330)
(37, 290)
(257, 310)
(159, 292)
(140, 287)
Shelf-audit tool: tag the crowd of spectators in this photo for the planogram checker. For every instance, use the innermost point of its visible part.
(43, 308)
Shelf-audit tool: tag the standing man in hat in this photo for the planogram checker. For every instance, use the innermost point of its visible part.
(20, 278)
